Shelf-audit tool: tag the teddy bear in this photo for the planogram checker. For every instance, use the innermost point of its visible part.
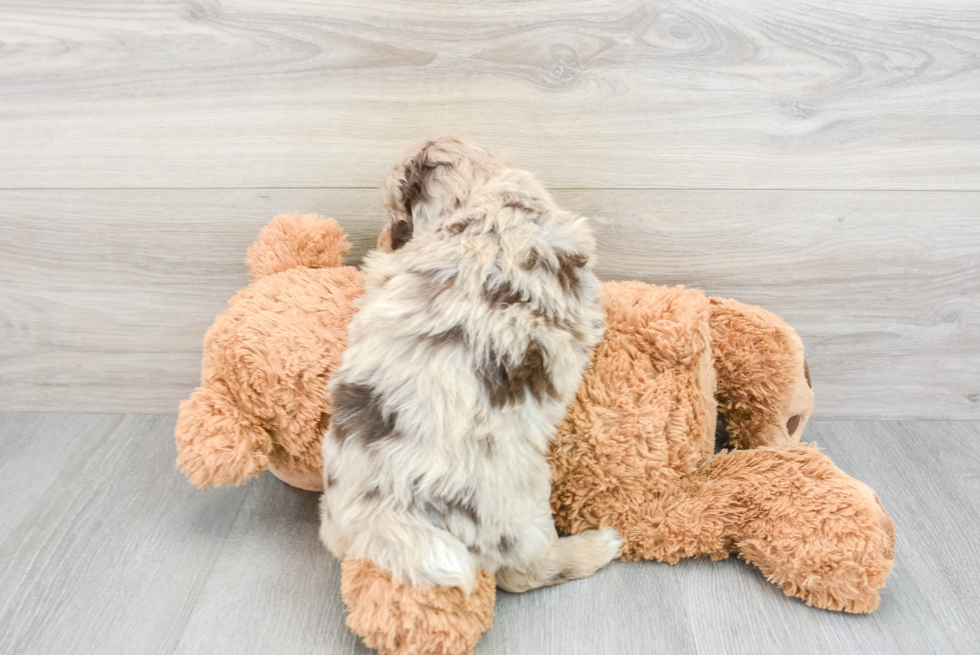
(635, 452)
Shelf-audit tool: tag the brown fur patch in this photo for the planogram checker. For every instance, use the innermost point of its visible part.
(413, 187)
(454, 335)
(568, 265)
(401, 232)
(566, 270)
(502, 295)
(414, 190)
(331, 481)
(793, 423)
(508, 384)
(532, 261)
(806, 373)
(458, 227)
(532, 212)
(440, 510)
(505, 545)
(357, 408)
(323, 423)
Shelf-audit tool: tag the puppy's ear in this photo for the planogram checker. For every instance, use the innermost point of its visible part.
(401, 233)
(403, 192)
(399, 212)
(434, 181)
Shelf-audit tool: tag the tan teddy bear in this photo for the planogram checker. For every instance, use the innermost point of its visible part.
(267, 359)
(635, 452)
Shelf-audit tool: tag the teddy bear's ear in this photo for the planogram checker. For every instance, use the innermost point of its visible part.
(290, 241)
(217, 443)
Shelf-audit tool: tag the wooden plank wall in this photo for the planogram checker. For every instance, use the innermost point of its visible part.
(819, 158)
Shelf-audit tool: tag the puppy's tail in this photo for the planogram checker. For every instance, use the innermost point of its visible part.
(290, 241)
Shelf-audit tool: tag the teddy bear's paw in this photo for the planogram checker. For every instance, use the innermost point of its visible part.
(399, 619)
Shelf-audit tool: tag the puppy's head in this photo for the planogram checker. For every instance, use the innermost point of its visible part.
(435, 180)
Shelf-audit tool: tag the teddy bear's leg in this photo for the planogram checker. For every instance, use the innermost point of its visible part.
(644, 415)
(764, 392)
(399, 619)
(816, 532)
(810, 528)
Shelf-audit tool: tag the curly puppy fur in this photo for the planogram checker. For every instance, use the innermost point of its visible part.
(468, 345)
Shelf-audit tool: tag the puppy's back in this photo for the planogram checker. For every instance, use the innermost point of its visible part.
(469, 343)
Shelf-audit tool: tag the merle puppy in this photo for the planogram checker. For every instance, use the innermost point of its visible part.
(468, 345)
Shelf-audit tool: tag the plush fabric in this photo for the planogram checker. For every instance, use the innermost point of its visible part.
(398, 619)
(644, 416)
(635, 450)
(758, 359)
(267, 359)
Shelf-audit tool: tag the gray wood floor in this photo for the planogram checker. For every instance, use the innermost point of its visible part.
(104, 548)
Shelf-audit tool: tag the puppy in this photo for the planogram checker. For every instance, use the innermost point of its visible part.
(468, 345)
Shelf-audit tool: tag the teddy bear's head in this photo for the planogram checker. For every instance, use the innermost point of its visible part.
(268, 357)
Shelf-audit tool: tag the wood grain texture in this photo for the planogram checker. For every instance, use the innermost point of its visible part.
(118, 554)
(593, 94)
(105, 295)
(111, 554)
(275, 579)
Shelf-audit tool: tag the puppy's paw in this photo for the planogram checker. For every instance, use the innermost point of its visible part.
(571, 558)
(613, 541)
(606, 544)
(587, 552)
